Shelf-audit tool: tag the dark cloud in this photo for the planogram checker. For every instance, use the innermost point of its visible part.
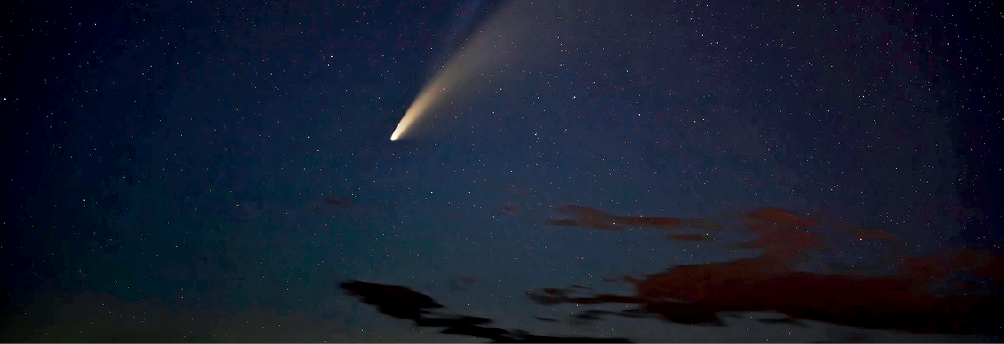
(402, 302)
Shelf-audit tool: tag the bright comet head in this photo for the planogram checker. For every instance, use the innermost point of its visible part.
(417, 108)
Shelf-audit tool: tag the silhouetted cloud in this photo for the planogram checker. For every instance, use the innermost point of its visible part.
(404, 303)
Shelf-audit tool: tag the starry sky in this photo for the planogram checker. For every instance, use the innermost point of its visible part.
(220, 171)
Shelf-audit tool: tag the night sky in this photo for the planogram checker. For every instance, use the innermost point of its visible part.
(616, 170)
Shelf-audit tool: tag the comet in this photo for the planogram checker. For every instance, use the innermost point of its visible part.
(491, 50)
(460, 71)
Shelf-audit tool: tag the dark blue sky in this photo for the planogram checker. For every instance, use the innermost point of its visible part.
(173, 159)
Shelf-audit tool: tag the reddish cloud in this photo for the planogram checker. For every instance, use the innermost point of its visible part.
(689, 237)
(782, 234)
(341, 202)
(695, 294)
(510, 208)
(598, 219)
(875, 234)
